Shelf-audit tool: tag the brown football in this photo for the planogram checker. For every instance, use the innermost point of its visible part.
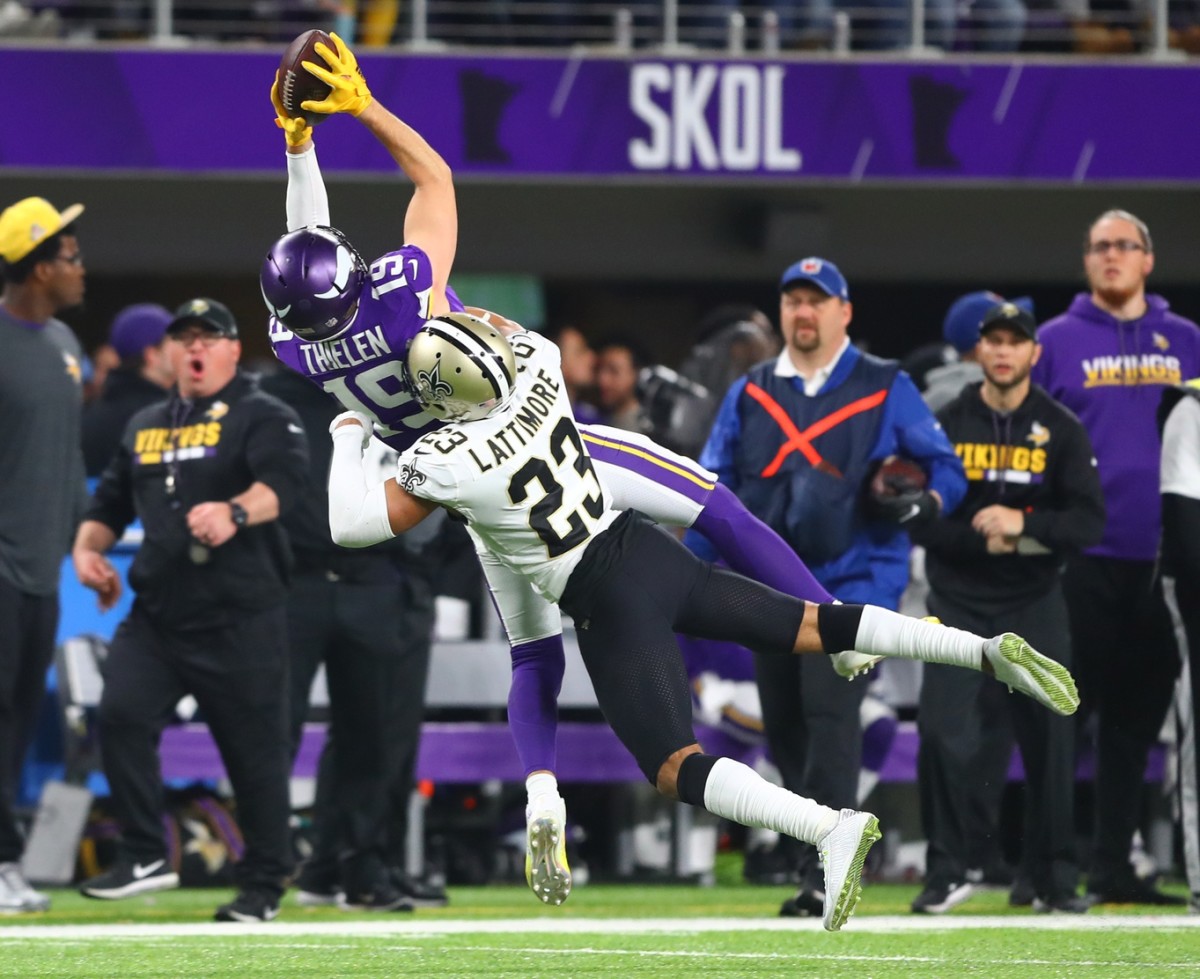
(897, 476)
(296, 85)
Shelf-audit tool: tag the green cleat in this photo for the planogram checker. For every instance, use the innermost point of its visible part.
(1019, 666)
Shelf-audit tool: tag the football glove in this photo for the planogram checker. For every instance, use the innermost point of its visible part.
(348, 88)
(295, 130)
(906, 509)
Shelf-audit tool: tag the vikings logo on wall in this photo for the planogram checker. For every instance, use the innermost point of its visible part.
(431, 389)
(409, 477)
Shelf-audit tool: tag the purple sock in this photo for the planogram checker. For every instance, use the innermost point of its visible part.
(752, 548)
(537, 675)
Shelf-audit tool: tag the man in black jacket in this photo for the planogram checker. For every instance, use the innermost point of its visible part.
(1034, 496)
(208, 472)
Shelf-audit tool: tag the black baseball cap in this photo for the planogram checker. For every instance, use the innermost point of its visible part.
(1012, 317)
(208, 313)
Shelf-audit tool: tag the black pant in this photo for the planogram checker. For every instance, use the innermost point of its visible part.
(375, 672)
(27, 626)
(239, 677)
(1127, 664)
(958, 762)
(404, 720)
(634, 589)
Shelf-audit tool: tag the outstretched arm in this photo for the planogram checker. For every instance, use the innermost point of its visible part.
(431, 221)
(307, 200)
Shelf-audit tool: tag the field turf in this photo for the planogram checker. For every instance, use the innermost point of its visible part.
(603, 930)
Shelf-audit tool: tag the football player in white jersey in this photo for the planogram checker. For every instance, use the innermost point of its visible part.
(513, 464)
(344, 324)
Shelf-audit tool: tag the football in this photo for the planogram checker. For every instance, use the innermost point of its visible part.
(897, 476)
(296, 85)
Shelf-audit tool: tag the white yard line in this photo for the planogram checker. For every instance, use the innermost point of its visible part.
(393, 927)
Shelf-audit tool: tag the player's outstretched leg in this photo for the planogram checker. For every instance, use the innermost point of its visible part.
(546, 868)
(873, 631)
(843, 852)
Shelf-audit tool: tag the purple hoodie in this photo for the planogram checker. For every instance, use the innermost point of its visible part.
(1112, 373)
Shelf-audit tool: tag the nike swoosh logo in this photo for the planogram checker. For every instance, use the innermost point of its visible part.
(915, 509)
(295, 429)
(139, 871)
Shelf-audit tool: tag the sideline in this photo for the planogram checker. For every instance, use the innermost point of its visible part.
(869, 924)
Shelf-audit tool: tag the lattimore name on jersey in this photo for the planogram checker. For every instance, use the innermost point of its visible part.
(521, 477)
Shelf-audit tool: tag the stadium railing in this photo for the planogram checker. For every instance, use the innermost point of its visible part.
(1157, 29)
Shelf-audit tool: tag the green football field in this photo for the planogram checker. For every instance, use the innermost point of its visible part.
(603, 930)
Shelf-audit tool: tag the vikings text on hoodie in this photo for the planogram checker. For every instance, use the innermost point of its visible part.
(1111, 373)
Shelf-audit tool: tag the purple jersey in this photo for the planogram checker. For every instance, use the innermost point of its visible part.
(363, 367)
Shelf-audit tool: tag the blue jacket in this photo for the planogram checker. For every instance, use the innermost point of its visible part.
(874, 566)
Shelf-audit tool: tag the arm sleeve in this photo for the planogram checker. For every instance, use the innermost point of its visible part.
(919, 436)
(307, 200)
(358, 513)
(1077, 519)
(277, 454)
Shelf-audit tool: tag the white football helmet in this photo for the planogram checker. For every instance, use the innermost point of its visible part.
(460, 368)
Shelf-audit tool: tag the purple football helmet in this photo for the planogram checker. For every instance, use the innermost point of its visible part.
(311, 281)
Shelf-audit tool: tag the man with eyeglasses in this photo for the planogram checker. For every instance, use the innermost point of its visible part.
(42, 493)
(1109, 358)
(208, 471)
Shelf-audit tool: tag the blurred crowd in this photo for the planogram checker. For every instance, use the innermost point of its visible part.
(1081, 26)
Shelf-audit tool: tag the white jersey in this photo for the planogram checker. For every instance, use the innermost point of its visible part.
(521, 477)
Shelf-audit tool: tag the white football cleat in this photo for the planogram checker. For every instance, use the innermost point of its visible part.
(546, 868)
(1019, 666)
(851, 663)
(843, 852)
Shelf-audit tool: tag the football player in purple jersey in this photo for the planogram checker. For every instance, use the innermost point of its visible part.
(345, 325)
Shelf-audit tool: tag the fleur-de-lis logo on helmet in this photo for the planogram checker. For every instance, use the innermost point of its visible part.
(430, 387)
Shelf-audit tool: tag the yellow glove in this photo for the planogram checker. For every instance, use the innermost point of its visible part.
(295, 130)
(348, 88)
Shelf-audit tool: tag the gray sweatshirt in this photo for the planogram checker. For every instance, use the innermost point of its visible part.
(42, 488)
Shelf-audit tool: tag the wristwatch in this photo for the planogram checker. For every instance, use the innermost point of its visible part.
(238, 514)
